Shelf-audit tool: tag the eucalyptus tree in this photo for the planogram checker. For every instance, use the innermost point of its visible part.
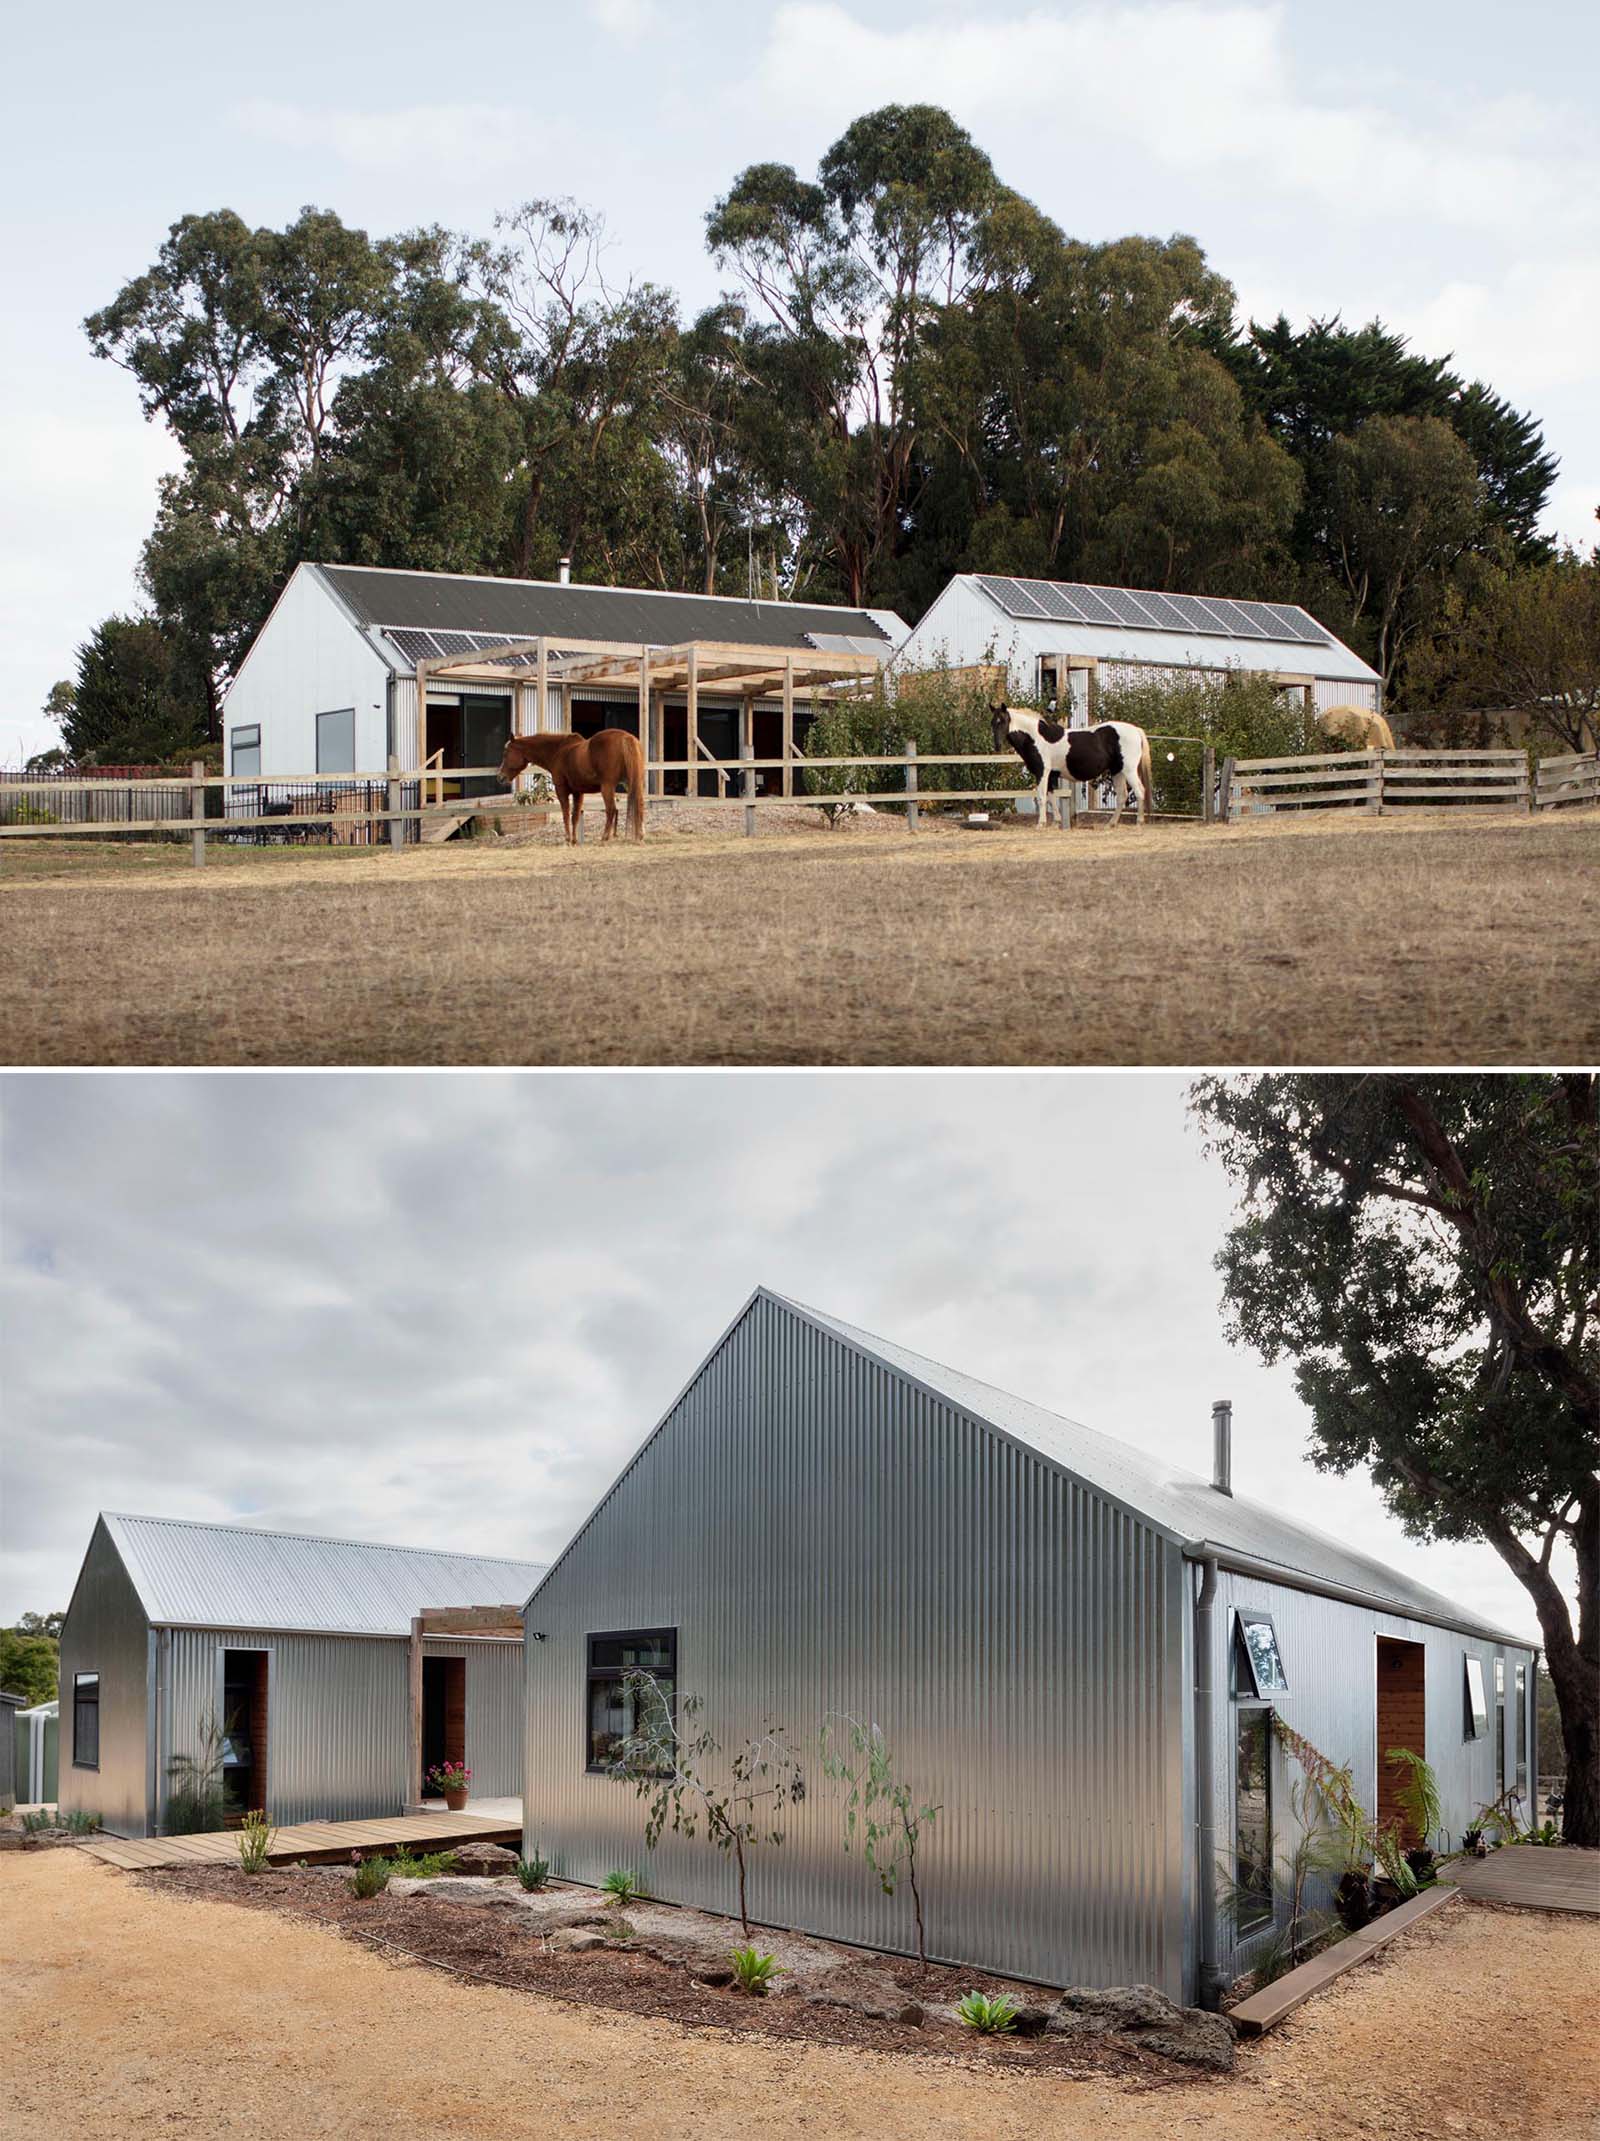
(1425, 1251)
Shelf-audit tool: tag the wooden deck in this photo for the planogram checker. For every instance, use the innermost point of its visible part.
(319, 1843)
(1534, 1876)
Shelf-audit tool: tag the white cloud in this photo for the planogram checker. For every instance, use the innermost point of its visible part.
(483, 136)
(628, 21)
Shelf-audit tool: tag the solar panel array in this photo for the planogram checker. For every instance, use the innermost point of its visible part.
(418, 646)
(1070, 602)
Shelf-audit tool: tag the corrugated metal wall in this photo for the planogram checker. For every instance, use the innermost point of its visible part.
(824, 1537)
(105, 1632)
(1330, 1658)
(338, 1716)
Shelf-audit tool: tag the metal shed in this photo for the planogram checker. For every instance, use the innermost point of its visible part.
(10, 1706)
(319, 1658)
(37, 1737)
(1064, 640)
(1045, 1623)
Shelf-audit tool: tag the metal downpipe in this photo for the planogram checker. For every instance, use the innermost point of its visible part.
(1205, 1786)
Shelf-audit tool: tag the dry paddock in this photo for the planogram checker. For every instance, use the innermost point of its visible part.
(131, 2011)
(1444, 937)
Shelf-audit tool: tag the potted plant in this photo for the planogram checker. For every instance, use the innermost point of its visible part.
(451, 1781)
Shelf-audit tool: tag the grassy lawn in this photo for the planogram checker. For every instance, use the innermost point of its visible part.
(1447, 938)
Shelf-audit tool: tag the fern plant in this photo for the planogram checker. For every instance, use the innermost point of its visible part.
(752, 1973)
(1418, 1795)
(995, 2017)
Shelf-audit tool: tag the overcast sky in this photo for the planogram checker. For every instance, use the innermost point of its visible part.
(443, 1310)
(1432, 162)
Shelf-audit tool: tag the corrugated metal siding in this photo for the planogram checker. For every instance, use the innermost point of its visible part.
(1330, 1657)
(1336, 691)
(105, 1632)
(338, 1716)
(824, 1537)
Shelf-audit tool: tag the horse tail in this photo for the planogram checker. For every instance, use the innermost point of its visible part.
(636, 785)
(1144, 778)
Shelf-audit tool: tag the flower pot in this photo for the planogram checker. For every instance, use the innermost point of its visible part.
(456, 1801)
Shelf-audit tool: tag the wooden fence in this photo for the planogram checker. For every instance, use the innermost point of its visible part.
(1389, 780)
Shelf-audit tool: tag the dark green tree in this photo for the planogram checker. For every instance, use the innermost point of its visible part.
(29, 1657)
(131, 704)
(1426, 1252)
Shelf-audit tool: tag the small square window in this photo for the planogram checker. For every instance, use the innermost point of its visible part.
(615, 1707)
(86, 1720)
(1258, 1662)
(1477, 1718)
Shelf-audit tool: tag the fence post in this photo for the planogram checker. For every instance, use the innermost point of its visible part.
(747, 751)
(911, 784)
(1225, 791)
(1374, 800)
(1208, 784)
(197, 810)
(397, 830)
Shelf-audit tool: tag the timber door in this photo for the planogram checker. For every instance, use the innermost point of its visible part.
(1402, 1722)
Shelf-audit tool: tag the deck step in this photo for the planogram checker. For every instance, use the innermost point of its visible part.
(1265, 2009)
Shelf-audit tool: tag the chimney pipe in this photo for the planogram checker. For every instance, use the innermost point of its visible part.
(1222, 1446)
(564, 571)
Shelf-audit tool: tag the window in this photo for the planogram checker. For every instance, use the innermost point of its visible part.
(1499, 1727)
(1258, 1663)
(336, 741)
(1252, 1821)
(244, 751)
(86, 1720)
(614, 1708)
(1520, 1716)
(1477, 1717)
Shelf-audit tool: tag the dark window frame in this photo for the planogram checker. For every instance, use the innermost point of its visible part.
(1254, 1716)
(80, 1704)
(665, 1637)
(236, 743)
(1475, 1698)
(334, 713)
(1243, 1655)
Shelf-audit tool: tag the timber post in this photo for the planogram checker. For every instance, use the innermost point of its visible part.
(197, 808)
(911, 784)
(396, 827)
(747, 751)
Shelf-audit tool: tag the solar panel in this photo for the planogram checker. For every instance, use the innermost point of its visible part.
(1260, 614)
(415, 646)
(1297, 625)
(1051, 599)
(1197, 617)
(1162, 611)
(1233, 616)
(1129, 608)
(456, 642)
(1096, 610)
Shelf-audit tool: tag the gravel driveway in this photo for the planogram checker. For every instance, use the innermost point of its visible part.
(130, 2012)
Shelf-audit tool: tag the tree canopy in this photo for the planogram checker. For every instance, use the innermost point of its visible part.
(912, 371)
(1426, 1252)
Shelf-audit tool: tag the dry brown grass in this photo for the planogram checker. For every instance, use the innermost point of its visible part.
(1446, 938)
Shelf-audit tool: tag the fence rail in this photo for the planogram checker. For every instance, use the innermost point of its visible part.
(1379, 780)
(1573, 778)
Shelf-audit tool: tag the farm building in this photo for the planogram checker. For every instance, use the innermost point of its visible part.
(338, 1671)
(37, 1737)
(1064, 641)
(1074, 1650)
(358, 663)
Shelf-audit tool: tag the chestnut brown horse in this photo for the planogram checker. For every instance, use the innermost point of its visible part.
(580, 766)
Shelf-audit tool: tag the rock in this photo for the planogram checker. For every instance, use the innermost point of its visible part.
(1083, 2008)
(1201, 2040)
(910, 2015)
(579, 1943)
(715, 1974)
(485, 1859)
(1031, 2021)
(454, 1888)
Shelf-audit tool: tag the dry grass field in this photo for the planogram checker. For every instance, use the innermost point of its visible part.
(1444, 938)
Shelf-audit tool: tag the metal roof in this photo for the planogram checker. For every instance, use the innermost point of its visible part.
(385, 600)
(1182, 1504)
(199, 1575)
(1139, 625)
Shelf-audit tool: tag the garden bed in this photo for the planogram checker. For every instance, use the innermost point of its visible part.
(654, 1959)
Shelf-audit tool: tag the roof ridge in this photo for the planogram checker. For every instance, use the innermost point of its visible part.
(318, 1538)
(597, 587)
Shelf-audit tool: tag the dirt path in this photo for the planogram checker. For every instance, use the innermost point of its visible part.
(131, 2012)
(1444, 940)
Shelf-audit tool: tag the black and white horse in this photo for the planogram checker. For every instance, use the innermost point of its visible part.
(1111, 750)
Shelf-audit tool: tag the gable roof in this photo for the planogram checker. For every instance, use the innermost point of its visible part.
(199, 1575)
(1182, 1505)
(383, 600)
(1134, 624)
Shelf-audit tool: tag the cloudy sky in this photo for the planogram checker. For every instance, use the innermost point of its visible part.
(1432, 162)
(443, 1310)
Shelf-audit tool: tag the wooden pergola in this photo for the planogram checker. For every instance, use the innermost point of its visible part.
(503, 1622)
(730, 668)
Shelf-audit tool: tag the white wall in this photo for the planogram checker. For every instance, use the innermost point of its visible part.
(308, 658)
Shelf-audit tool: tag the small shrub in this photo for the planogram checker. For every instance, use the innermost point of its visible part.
(425, 1866)
(255, 1841)
(35, 1824)
(1547, 1833)
(753, 1973)
(369, 1877)
(533, 1872)
(622, 1887)
(990, 2017)
(79, 1822)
